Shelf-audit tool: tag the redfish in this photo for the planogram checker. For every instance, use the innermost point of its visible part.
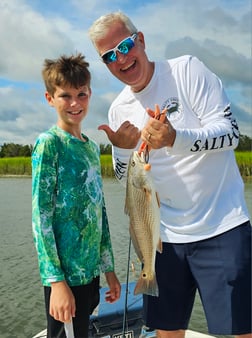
(143, 208)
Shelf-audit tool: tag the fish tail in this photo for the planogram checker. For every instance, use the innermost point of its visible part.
(147, 286)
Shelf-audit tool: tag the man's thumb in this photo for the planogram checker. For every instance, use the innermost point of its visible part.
(107, 130)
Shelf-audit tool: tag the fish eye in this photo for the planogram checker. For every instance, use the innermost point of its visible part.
(133, 163)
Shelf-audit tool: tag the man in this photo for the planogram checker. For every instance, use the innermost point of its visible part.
(205, 226)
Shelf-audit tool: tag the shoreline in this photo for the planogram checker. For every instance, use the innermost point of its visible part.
(246, 179)
(21, 166)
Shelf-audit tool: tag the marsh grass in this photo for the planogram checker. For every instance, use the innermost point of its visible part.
(244, 160)
(15, 166)
(106, 166)
(22, 165)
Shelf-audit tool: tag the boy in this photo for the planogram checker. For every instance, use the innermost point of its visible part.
(70, 225)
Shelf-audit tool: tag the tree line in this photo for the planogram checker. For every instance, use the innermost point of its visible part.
(18, 150)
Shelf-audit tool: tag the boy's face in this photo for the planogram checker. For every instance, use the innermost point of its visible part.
(70, 103)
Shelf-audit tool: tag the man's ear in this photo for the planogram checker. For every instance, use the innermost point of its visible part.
(141, 38)
(49, 99)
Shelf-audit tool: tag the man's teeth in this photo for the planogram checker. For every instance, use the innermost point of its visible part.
(128, 66)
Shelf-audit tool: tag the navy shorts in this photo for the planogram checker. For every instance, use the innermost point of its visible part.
(219, 268)
(86, 299)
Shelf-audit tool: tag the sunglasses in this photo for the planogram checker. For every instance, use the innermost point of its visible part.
(123, 47)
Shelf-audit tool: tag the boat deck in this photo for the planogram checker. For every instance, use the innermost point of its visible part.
(189, 334)
(107, 319)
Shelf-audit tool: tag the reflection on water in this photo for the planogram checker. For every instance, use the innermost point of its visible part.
(21, 294)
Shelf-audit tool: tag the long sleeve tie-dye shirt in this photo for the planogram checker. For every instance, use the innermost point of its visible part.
(70, 225)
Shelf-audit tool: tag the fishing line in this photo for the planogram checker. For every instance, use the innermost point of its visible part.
(126, 293)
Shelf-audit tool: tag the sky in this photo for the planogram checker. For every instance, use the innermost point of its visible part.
(218, 32)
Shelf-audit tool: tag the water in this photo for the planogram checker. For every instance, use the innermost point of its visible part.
(21, 294)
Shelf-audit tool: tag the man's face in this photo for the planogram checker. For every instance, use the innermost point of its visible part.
(132, 68)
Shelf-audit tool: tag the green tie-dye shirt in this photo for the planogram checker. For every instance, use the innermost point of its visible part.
(70, 225)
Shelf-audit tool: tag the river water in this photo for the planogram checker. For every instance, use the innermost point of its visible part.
(21, 294)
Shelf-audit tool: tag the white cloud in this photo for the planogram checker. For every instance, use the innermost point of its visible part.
(27, 37)
(217, 31)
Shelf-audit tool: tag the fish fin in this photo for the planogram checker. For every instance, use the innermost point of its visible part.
(126, 208)
(148, 194)
(135, 244)
(147, 286)
(158, 199)
(160, 246)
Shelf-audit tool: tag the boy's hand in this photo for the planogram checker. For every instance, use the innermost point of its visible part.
(62, 302)
(114, 287)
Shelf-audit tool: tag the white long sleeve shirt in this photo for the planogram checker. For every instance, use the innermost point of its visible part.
(198, 181)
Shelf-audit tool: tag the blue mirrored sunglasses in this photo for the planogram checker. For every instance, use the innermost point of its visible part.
(123, 47)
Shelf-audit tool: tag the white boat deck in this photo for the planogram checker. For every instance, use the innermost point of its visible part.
(194, 334)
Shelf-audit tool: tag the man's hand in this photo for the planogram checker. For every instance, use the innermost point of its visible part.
(62, 302)
(158, 134)
(126, 136)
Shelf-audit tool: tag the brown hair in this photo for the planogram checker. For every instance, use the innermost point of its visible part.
(66, 70)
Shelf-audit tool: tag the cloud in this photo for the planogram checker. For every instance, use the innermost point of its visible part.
(233, 68)
(27, 37)
(230, 65)
(217, 31)
(23, 114)
(244, 119)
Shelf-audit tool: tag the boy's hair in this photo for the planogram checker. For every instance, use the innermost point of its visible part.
(66, 70)
(101, 25)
